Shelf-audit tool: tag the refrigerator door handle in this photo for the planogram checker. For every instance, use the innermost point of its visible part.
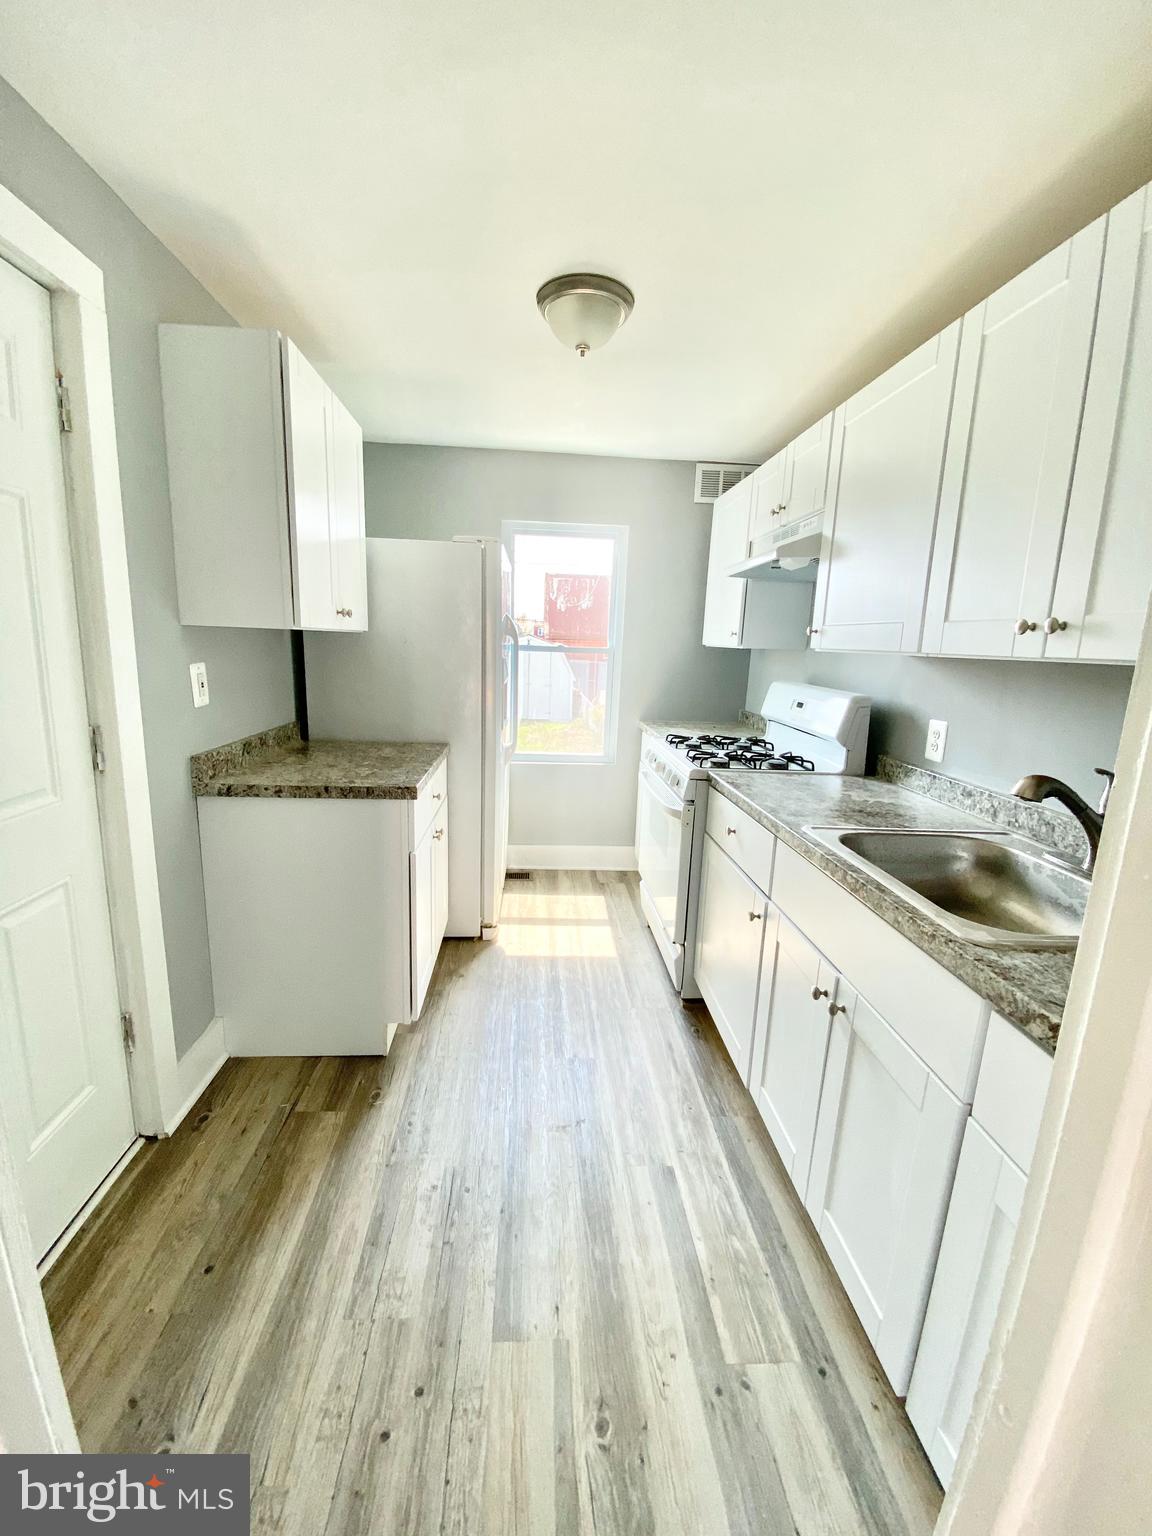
(513, 634)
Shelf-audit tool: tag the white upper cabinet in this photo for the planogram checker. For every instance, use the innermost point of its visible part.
(724, 594)
(769, 497)
(1105, 570)
(1020, 386)
(266, 478)
(809, 456)
(887, 455)
(741, 614)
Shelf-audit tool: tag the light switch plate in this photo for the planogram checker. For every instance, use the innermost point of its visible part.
(937, 740)
(198, 672)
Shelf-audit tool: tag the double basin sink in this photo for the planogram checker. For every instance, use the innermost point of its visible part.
(990, 888)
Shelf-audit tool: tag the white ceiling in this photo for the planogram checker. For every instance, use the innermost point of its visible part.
(796, 192)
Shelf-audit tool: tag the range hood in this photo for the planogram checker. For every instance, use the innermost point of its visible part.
(793, 556)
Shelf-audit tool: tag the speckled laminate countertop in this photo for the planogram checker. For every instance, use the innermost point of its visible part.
(289, 769)
(1029, 987)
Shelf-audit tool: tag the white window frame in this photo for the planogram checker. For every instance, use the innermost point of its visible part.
(618, 533)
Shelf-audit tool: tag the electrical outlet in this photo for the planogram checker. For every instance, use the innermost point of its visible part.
(937, 739)
(198, 672)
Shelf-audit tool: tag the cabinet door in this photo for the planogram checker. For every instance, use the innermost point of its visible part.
(439, 877)
(792, 1027)
(887, 1139)
(1105, 569)
(306, 412)
(769, 484)
(349, 573)
(724, 594)
(887, 456)
(729, 940)
(809, 457)
(1019, 396)
(422, 901)
(983, 1215)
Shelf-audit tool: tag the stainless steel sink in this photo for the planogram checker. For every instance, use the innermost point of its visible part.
(988, 887)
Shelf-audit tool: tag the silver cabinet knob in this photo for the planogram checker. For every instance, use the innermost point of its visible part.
(436, 795)
(1053, 625)
(835, 1008)
(731, 831)
(1024, 626)
(811, 630)
(818, 993)
(755, 917)
(345, 613)
(734, 633)
(438, 834)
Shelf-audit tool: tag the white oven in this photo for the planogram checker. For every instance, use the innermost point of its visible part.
(669, 812)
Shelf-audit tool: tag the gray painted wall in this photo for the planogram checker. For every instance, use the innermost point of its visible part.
(249, 671)
(1005, 718)
(434, 493)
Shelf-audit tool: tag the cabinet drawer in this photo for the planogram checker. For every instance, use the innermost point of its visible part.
(939, 1017)
(751, 845)
(430, 799)
(1011, 1090)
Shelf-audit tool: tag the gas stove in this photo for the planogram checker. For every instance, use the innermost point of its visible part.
(756, 753)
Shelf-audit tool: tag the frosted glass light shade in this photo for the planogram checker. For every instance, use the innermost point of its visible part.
(583, 310)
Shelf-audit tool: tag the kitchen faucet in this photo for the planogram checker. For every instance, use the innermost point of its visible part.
(1041, 786)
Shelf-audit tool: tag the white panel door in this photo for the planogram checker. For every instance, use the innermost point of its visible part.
(887, 1140)
(729, 939)
(1105, 572)
(724, 594)
(63, 1078)
(809, 457)
(307, 402)
(983, 1215)
(440, 876)
(346, 518)
(1019, 395)
(792, 1029)
(887, 459)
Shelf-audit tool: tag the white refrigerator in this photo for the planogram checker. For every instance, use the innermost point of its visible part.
(438, 662)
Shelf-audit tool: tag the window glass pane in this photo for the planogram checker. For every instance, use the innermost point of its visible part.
(563, 694)
(562, 587)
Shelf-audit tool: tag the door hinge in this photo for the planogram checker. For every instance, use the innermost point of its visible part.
(128, 1030)
(63, 404)
(96, 742)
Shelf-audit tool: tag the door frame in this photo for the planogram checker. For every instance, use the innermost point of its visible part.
(36, 1407)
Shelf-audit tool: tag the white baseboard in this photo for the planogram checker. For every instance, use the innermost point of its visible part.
(198, 1066)
(570, 856)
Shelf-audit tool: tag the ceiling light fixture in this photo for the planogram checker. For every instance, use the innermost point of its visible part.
(583, 310)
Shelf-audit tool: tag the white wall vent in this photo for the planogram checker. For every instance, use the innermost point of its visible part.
(712, 480)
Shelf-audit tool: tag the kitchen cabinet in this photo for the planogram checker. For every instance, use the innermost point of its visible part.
(724, 594)
(730, 928)
(793, 1023)
(748, 615)
(983, 1214)
(887, 1140)
(1020, 387)
(769, 497)
(887, 455)
(266, 482)
(809, 458)
(325, 917)
(429, 904)
(1105, 571)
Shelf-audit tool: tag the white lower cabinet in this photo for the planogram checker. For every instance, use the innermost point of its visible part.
(982, 1218)
(429, 904)
(729, 945)
(983, 1214)
(791, 1041)
(887, 1139)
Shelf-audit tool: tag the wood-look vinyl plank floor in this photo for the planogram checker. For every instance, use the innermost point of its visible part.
(538, 1271)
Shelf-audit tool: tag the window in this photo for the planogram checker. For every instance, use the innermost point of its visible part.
(568, 604)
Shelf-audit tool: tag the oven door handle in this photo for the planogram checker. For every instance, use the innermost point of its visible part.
(661, 793)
